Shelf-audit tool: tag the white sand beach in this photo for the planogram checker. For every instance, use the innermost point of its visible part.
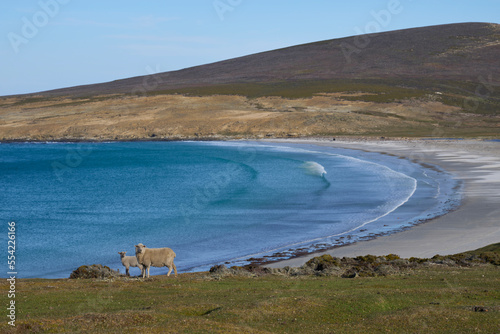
(476, 223)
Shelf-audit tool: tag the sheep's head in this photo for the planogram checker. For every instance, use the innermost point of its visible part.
(139, 248)
(122, 254)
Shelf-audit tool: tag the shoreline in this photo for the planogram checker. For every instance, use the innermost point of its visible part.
(416, 210)
(298, 140)
(472, 225)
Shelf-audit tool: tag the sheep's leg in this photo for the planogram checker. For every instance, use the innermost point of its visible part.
(128, 273)
(170, 267)
(148, 271)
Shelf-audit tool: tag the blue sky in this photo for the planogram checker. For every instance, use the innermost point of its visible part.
(48, 44)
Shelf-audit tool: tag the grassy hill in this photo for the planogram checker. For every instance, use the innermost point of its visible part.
(431, 81)
(453, 294)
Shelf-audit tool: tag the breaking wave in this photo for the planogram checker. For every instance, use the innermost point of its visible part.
(313, 168)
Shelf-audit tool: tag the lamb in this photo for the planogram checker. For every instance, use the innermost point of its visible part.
(129, 261)
(156, 257)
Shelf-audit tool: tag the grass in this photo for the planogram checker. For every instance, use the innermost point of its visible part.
(377, 113)
(428, 299)
(473, 97)
(52, 102)
(393, 89)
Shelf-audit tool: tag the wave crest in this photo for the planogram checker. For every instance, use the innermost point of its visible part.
(313, 168)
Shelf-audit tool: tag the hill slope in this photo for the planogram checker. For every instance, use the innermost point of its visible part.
(447, 52)
(431, 81)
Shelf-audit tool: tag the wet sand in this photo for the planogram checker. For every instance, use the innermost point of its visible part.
(476, 223)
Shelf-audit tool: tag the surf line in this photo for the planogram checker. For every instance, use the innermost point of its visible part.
(317, 169)
(330, 236)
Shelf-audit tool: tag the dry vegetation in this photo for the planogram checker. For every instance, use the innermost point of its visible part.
(176, 116)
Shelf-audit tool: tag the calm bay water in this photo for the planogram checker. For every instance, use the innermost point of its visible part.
(212, 202)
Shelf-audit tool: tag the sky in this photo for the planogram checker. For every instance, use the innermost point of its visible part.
(49, 44)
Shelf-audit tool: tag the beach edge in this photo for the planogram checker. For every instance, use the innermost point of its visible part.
(474, 224)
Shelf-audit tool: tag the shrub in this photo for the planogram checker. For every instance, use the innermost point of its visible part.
(417, 260)
(323, 262)
(449, 262)
(462, 258)
(367, 258)
(401, 263)
(351, 273)
(392, 257)
(218, 268)
(490, 257)
(93, 271)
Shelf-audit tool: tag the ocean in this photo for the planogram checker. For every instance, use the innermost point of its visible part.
(211, 202)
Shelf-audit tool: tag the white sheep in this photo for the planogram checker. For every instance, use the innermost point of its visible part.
(129, 261)
(156, 257)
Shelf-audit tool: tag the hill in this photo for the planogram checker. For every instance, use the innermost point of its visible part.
(461, 52)
(439, 80)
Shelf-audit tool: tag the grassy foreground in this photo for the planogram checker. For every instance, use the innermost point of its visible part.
(433, 299)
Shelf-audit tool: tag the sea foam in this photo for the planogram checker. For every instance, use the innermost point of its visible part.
(313, 168)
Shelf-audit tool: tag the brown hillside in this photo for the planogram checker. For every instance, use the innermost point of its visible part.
(440, 81)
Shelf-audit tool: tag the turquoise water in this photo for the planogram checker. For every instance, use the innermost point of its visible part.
(212, 202)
